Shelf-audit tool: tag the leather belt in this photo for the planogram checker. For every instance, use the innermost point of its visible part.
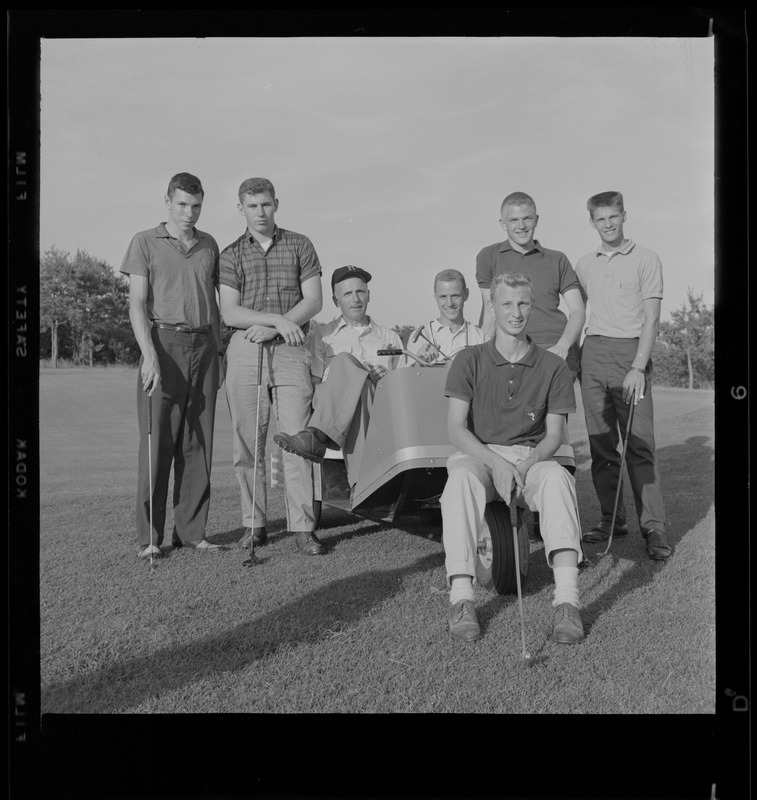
(167, 326)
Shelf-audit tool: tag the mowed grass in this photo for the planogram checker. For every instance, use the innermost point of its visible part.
(362, 629)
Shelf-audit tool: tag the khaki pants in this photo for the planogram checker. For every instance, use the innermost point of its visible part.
(550, 489)
(286, 388)
(342, 406)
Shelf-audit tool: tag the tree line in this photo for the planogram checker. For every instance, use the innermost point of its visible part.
(84, 321)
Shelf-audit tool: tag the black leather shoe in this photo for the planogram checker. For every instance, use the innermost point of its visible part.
(601, 531)
(462, 621)
(657, 545)
(305, 444)
(308, 544)
(259, 537)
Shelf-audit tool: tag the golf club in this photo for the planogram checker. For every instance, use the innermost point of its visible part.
(527, 660)
(419, 333)
(149, 470)
(251, 560)
(620, 475)
(397, 351)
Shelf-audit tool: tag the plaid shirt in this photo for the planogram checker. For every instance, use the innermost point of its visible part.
(269, 281)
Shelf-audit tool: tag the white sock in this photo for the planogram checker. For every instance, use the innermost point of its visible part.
(566, 586)
(461, 588)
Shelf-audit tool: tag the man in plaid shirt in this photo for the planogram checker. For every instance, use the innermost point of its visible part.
(270, 289)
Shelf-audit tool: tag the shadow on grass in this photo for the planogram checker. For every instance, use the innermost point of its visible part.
(125, 684)
(688, 484)
(688, 490)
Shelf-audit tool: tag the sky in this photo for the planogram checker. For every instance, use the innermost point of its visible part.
(392, 154)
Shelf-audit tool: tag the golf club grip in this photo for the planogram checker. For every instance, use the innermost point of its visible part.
(389, 352)
(149, 414)
(260, 363)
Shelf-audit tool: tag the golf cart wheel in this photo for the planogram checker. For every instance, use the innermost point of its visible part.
(496, 551)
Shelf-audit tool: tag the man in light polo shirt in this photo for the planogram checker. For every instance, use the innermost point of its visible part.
(345, 368)
(446, 335)
(173, 278)
(507, 404)
(623, 283)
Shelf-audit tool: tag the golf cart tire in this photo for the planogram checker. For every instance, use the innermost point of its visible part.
(496, 557)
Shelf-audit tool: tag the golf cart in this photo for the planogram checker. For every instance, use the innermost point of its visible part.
(403, 469)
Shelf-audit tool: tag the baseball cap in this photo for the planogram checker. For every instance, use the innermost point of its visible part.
(342, 273)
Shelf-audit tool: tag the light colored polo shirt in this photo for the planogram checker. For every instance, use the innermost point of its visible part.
(337, 337)
(509, 401)
(449, 342)
(616, 285)
(181, 284)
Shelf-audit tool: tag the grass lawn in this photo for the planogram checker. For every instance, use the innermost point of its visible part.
(362, 629)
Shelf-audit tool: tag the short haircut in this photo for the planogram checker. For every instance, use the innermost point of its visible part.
(514, 280)
(604, 200)
(185, 182)
(256, 186)
(450, 275)
(517, 199)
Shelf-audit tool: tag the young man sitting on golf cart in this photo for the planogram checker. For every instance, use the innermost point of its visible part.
(507, 401)
(345, 368)
(442, 338)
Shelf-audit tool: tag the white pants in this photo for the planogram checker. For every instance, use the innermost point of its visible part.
(550, 489)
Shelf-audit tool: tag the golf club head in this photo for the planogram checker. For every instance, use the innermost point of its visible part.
(417, 334)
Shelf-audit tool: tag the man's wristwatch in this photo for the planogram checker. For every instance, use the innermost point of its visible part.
(639, 369)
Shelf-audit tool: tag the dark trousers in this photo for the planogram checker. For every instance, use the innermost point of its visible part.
(605, 362)
(183, 415)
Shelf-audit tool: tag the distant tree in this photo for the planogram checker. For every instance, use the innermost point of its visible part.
(88, 299)
(57, 296)
(404, 331)
(684, 353)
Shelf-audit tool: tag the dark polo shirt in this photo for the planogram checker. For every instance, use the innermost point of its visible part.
(552, 276)
(509, 402)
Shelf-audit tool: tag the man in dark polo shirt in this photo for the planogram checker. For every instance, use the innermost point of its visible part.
(173, 278)
(507, 401)
(270, 290)
(551, 274)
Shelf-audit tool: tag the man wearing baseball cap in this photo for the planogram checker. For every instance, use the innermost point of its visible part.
(345, 368)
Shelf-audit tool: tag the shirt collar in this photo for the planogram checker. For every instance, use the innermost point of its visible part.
(437, 326)
(162, 232)
(627, 247)
(528, 360)
(341, 324)
(274, 237)
(506, 245)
